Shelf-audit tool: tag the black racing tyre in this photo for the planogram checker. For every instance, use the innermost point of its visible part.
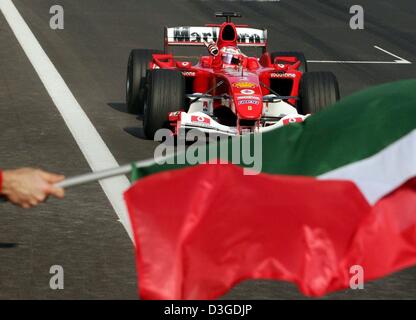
(137, 67)
(299, 55)
(166, 93)
(317, 91)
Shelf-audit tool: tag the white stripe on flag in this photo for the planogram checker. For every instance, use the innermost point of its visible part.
(383, 172)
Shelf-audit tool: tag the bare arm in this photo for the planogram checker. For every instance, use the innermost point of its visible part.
(28, 187)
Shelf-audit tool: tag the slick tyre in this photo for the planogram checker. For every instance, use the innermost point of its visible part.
(318, 90)
(299, 55)
(137, 67)
(166, 93)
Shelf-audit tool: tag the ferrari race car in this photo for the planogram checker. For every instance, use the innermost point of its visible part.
(226, 91)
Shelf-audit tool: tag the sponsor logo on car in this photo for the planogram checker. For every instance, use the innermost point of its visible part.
(200, 119)
(248, 97)
(188, 74)
(200, 34)
(282, 75)
(205, 106)
(292, 120)
(174, 116)
(247, 91)
(243, 102)
(244, 85)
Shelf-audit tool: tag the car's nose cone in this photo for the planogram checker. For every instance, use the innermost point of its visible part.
(247, 100)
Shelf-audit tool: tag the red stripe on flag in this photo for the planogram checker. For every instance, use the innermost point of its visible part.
(201, 230)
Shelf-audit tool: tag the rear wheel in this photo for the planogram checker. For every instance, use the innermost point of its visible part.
(166, 93)
(317, 91)
(299, 55)
(137, 67)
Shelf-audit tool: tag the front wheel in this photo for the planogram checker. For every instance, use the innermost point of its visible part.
(166, 93)
(137, 67)
(318, 90)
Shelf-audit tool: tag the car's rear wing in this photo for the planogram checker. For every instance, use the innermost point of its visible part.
(195, 36)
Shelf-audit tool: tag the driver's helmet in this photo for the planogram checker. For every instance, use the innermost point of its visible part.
(231, 55)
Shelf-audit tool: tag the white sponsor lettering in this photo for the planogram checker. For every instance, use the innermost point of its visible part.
(209, 34)
(247, 91)
(248, 97)
(282, 75)
(242, 102)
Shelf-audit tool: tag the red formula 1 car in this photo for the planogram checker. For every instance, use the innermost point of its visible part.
(226, 91)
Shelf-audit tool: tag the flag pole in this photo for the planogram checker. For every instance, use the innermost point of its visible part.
(100, 175)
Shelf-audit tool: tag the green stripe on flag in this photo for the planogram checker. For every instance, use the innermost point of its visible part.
(354, 129)
(134, 173)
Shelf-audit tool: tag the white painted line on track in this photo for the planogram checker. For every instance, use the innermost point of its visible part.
(400, 61)
(88, 139)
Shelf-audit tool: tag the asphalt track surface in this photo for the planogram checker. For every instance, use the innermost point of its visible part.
(82, 232)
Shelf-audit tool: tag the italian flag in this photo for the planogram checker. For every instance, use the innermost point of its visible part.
(335, 192)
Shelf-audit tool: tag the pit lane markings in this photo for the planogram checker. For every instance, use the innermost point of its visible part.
(88, 139)
(399, 61)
